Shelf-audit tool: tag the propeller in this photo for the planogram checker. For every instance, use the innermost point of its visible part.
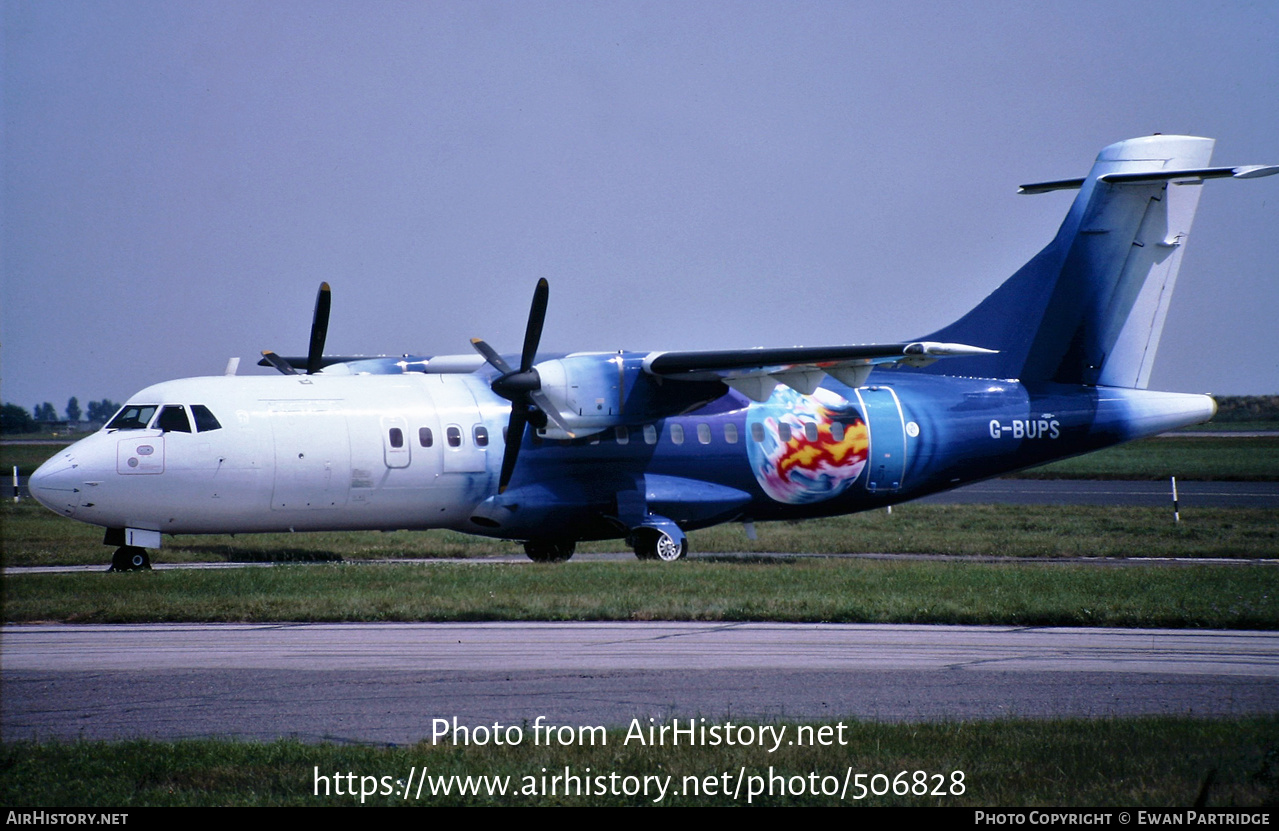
(523, 386)
(319, 331)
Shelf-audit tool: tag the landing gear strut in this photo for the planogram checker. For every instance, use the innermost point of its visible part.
(130, 558)
(549, 551)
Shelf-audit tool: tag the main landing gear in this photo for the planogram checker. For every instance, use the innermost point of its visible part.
(130, 558)
(549, 551)
(655, 544)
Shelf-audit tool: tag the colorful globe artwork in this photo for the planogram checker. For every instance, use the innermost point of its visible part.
(802, 469)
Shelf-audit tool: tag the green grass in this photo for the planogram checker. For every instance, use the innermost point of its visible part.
(1253, 426)
(1153, 762)
(801, 590)
(27, 457)
(1254, 459)
(35, 536)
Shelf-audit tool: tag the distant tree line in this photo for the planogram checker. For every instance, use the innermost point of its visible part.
(16, 419)
(1247, 408)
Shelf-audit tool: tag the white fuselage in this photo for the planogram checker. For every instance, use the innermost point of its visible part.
(290, 453)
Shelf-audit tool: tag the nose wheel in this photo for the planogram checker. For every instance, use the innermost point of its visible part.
(130, 558)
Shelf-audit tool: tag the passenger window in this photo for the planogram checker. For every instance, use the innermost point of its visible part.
(132, 417)
(730, 433)
(454, 435)
(424, 436)
(623, 435)
(704, 433)
(481, 435)
(677, 433)
(810, 431)
(650, 434)
(173, 419)
(757, 431)
(396, 436)
(837, 430)
(783, 431)
(204, 420)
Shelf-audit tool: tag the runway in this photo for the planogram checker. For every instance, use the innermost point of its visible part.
(387, 683)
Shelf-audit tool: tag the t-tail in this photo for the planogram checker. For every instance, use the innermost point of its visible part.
(1090, 307)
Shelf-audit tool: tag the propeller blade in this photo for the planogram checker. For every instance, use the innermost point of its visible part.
(544, 404)
(514, 437)
(536, 317)
(278, 362)
(522, 387)
(319, 329)
(490, 355)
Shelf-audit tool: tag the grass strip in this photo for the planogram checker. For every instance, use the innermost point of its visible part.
(803, 590)
(1204, 458)
(34, 536)
(1146, 762)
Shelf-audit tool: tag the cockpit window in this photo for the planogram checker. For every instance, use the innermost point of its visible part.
(173, 419)
(132, 417)
(204, 420)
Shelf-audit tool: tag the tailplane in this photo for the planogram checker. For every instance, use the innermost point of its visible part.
(1090, 307)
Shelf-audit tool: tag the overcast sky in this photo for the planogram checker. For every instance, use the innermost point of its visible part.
(180, 176)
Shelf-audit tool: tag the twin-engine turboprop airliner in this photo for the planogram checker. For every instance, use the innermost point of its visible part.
(649, 445)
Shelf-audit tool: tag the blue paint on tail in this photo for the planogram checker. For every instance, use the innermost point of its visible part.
(1090, 307)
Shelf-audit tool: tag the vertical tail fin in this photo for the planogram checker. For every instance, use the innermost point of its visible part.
(1090, 307)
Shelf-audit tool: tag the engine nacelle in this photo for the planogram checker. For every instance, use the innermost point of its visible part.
(596, 391)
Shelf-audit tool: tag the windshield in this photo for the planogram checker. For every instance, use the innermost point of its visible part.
(132, 417)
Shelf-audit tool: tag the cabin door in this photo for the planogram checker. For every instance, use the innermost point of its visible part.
(887, 457)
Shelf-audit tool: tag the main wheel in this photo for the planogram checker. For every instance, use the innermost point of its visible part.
(130, 558)
(658, 545)
(549, 551)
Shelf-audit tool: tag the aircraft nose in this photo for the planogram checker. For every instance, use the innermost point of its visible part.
(56, 484)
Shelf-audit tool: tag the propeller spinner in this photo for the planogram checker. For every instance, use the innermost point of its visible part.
(319, 331)
(523, 386)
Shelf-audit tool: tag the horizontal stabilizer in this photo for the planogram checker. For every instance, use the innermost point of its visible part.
(1251, 171)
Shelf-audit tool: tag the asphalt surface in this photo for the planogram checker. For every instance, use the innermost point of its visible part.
(388, 683)
(370, 683)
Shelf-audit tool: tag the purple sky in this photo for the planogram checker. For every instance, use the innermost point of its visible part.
(179, 177)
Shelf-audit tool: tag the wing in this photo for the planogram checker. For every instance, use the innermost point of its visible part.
(755, 372)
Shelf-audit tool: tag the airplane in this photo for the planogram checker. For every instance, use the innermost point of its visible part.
(647, 446)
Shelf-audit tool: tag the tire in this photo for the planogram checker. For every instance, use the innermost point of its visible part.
(658, 545)
(549, 551)
(130, 558)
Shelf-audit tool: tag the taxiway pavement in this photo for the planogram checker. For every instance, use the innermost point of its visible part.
(387, 683)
